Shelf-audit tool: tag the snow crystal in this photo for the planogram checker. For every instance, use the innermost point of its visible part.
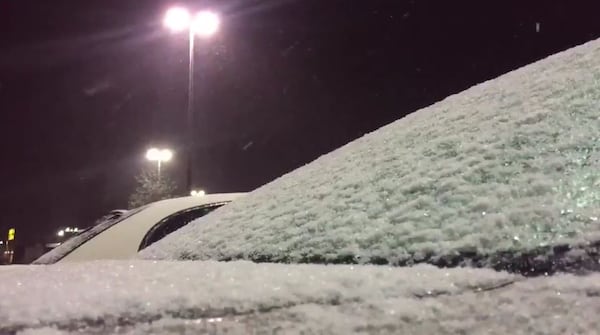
(206, 297)
(509, 164)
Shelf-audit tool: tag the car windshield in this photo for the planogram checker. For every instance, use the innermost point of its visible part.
(74, 242)
(503, 175)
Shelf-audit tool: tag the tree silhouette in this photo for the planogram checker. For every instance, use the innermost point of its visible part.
(151, 187)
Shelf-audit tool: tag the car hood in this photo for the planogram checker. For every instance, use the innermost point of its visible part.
(148, 297)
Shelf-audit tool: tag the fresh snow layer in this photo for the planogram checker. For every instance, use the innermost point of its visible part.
(510, 164)
(196, 297)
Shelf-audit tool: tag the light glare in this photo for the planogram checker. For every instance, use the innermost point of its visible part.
(177, 19)
(166, 155)
(198, 193)
(153, 154)
(162, 155)
(61, 233)
(206, 24)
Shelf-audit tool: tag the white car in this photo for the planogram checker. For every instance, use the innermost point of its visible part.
(121, 234)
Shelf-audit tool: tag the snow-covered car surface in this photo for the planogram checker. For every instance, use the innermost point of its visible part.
(510, 164)
(206, 297)
(120, 237)
(504, 175)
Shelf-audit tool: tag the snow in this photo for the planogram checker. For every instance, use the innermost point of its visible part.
(510, 164)
(146, 297)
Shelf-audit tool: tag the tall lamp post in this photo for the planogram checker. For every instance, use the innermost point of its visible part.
(159, 156)
(203, 24)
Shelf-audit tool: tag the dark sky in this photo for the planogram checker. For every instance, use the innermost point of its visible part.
(87, 86)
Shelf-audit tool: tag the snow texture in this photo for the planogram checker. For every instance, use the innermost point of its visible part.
(207, 297)
(510, 164)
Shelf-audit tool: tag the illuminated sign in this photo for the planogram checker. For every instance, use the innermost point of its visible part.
(11, 234)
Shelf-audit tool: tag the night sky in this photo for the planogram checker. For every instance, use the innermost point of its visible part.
(87, 86)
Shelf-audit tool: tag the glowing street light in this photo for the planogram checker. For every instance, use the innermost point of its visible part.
(61, 233)
(197, 193)
(155, 154)
(177, 19)
(159, 156)
(203, 24)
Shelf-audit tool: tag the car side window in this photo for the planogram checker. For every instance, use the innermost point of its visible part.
(174, 222)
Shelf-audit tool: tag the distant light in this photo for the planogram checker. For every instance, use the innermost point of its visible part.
(166, 155)
(11, 234)
(153, 154)
(206, 23)
(177, 19)
(197, 193)
(1, 242)
(70, 230)
(162, 155)
(61, 233)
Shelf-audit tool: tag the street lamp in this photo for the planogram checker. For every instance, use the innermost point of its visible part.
(159, 156)
(197, 193)
(177, 19)
(203, 24)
